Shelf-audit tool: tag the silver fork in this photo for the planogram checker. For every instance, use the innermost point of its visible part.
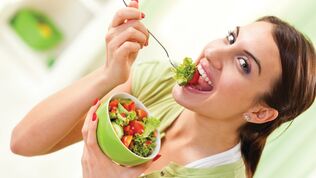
(171, 62)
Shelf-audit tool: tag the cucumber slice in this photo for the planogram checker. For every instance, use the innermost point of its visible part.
(121, 109)
(118, 130)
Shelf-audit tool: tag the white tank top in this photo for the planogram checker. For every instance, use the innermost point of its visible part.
(226, 157)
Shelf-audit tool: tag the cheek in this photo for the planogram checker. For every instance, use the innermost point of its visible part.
(231, 98)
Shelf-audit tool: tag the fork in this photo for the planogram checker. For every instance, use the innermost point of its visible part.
(167, 54)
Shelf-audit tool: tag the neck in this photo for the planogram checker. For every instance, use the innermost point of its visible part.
(205, 134)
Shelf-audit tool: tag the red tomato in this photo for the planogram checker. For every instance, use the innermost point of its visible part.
(128, 131)
(113, 110)
(132, 106)
(136, 127)
(129, 106)
(127, 139)
(141, 113)
(114, 103)
(131, 145)
(195, 78)
(148, 142)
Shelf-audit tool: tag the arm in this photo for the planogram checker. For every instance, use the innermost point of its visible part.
(56, 122)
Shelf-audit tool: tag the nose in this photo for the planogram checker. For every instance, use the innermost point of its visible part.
(217, 55)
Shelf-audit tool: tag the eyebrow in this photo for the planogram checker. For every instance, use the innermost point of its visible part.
(250, 54)
(255, 59)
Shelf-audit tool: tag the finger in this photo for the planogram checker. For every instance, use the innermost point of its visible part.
(128, 48)
(85, 127)
(131, 34)
(91, 139)
(114, 32)
(84, 164)
(127, 13)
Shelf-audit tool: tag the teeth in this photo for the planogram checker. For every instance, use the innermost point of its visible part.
(203, 74)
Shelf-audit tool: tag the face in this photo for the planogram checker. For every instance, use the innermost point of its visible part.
(234, 72)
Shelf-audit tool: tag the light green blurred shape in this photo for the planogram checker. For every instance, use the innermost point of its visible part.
(302, 14)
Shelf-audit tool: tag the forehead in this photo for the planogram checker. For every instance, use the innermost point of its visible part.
(257, 37)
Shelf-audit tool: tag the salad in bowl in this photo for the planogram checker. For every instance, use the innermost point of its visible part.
(126, 131)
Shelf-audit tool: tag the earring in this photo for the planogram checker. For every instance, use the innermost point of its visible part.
(247, 117)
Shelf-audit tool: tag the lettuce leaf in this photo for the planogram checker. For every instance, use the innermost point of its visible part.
(185, 71)
(151, 125)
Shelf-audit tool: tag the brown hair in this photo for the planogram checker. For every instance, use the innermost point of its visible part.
(291, 94)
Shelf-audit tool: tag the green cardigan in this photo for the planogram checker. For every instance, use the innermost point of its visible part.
(152, 84)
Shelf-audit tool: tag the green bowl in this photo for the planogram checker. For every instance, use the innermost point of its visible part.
(111, 144)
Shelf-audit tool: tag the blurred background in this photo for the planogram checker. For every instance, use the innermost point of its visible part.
(47, 44)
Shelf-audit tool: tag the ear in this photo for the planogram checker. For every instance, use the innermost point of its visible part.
(262, 113)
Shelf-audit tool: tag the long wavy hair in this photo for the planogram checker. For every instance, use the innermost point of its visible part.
(291, 94)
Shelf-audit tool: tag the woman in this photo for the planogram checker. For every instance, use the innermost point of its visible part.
(258, 77)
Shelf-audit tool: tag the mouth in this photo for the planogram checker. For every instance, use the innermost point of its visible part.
(203, 83)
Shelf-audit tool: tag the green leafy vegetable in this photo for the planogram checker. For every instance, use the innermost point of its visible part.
(113, 115)
(150, 126)
(131, 116)
(185, 71)
(121, 120)
(144, 146)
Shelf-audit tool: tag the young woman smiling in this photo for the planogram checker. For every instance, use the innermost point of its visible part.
(260, 76)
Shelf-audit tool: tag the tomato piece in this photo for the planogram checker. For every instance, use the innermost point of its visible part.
(141, 113)
(129, 106)
(132, 106)
(126, 106)
(113, 110)
(195, 78)
(131, 145)
(127, 139)
(114, 103)
(128, 131)
(136, 127)
(148, 142)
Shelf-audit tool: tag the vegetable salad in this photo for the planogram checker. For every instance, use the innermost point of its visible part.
(133, 126)
(186, 73)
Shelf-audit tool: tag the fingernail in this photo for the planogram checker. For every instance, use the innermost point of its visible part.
(94, 116)
(143, 15)
(95, 101)
(157, 157)
(136, 0)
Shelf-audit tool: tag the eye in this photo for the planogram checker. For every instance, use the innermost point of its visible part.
(244, 65)
(231, 37)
